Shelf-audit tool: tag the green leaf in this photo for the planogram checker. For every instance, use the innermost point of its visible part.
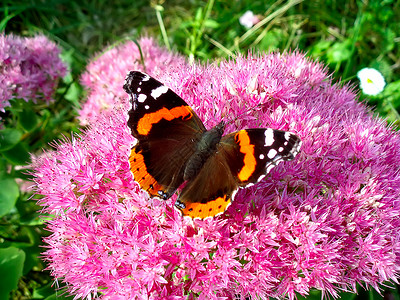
(211, 24)
(60, 295)
(390, 37)
(392, 89)
(313, 295)
(199, 15)
(11, 264)
(43, 292)
(74, 93)
(32, 259)
(17, 155)
(8, 17)
(319, 48)
(271, 40)
(339, 52)
(9, 138)
(3, 167)
(9, 193)
(27, 119)
(67, 56)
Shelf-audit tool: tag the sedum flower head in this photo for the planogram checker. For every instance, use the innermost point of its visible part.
(106, 72)
(371, 81)
(327, 220)
(29, 68)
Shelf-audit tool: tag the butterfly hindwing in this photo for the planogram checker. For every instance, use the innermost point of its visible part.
(209, 193)
(242, 158)
(167, 130)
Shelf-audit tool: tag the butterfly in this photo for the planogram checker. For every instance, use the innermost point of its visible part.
(175, 149)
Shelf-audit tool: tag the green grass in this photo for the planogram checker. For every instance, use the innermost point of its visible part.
(346, 35)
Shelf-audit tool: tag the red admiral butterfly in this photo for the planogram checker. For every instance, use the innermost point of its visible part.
(174, 147)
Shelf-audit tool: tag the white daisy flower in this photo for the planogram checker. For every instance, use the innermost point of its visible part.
(372, 81)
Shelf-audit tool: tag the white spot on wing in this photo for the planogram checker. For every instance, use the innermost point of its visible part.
(146, 78)
(271, 153)
(269, 137)
(287, 135)
(146, 107)
(280, 149)
(139, 89)
(142, 98)
(260, 178)
(270, 167)
(159, 91)
(234, 194)
(261, 156)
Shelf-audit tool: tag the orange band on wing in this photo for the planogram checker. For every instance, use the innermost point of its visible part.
(147, 121)
(204, 210)
(140, 174)
(248, 150)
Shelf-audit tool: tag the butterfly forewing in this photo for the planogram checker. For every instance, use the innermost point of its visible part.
(167, 131)
(153, 102)
(252, 153)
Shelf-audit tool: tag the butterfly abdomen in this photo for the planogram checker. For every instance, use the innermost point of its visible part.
(206, 147)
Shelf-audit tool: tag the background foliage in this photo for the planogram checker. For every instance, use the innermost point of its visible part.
(346, 35)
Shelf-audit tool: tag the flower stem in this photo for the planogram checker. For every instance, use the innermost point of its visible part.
(159, 9)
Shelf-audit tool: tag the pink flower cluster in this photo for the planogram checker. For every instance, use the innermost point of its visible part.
(29, 68)
(104, 75)
(327, 220)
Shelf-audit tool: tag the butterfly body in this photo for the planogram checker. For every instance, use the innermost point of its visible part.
(206, 146)
(173, 147)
